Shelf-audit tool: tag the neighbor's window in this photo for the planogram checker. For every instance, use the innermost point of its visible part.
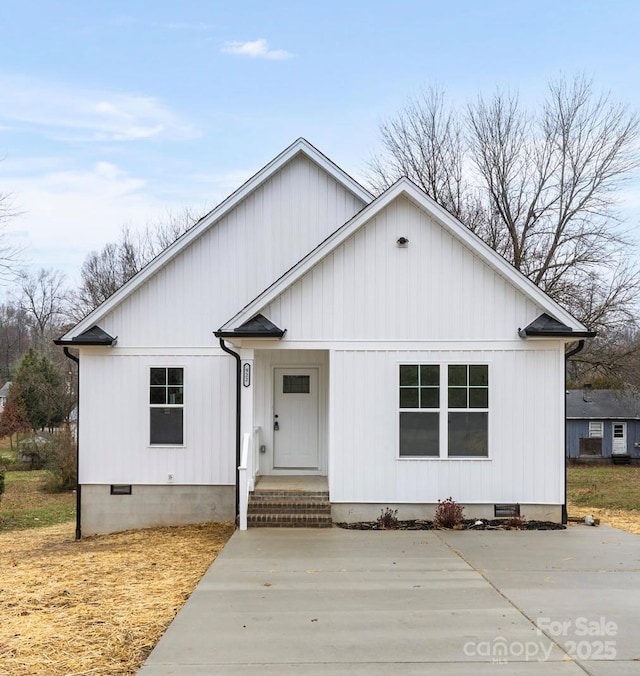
(166, 400)
(458, 391)
(596, 430)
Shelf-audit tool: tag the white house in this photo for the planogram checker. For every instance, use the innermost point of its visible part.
(374, 341)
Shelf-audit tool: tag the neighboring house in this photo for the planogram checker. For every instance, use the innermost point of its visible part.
(379, 343)
(4, 394)
(602, 423)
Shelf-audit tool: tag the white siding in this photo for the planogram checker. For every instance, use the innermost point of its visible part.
(526, 456)
(369, 288)
(236, 259)
(114, 420)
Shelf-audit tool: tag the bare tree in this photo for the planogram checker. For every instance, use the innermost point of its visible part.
(105, 271)
(9, 253)
(43, 296)
(15, 337)
(538, 188)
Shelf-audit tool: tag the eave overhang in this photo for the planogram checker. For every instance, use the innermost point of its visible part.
(256, 327)
(93, 336)
(546, 326)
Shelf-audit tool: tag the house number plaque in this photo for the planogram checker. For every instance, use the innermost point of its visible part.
(246, 375)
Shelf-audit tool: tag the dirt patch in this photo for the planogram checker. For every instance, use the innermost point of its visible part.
(98, 605)
(467, 524)
(624, 519)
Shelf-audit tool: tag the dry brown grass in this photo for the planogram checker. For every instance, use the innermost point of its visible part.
(624, 519)
(97, 606)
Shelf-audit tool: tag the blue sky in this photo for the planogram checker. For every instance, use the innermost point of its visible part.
(114, 113)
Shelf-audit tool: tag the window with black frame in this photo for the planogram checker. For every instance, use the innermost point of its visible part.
(459, 391)
(166, 402)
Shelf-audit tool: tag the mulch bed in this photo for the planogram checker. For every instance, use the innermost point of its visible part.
(467, 524)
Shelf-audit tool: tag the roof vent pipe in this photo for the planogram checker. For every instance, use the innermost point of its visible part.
(587, 390)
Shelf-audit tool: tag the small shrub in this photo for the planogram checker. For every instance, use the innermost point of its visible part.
(388, 519)
(516, 522)
(448, 514)
(60, 460)
(32, 451)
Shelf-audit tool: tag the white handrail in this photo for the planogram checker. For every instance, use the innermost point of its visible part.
(243, 478)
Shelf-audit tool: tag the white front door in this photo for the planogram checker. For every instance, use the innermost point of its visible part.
(295, 418)
(619, 441)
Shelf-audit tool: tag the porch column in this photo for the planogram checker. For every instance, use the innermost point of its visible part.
(246, 419)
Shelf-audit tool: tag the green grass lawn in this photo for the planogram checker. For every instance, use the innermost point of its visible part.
(604, 486)
(25, 504)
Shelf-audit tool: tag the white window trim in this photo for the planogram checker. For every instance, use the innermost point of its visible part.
(443, 410)
(183, 406)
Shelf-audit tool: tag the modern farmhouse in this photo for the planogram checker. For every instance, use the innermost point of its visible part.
(305, 328)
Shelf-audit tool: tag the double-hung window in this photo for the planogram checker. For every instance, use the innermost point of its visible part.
(444, 410)
(166, 403)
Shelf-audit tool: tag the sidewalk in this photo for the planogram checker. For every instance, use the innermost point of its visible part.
(399, 602)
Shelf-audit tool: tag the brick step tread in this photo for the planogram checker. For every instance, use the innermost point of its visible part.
(289, 510)
(285, 504)
(286, 518)
(291, 494)
(301, 524)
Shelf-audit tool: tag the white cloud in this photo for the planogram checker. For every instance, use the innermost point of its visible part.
(256, 49)
(75, 114)
(65, 214)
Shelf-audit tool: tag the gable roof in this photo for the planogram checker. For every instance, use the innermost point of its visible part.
(404, 187)
(602, 404)
(299, 147)
(4, 390)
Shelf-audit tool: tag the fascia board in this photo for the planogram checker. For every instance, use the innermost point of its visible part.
(299, 146)
(405, 187)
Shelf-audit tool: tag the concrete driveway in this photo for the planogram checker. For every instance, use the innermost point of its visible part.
(399, 602)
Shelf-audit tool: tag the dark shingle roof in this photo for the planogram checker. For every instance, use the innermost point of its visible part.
(547, 326)
(256, 327)
(93, 336)
(603, 404)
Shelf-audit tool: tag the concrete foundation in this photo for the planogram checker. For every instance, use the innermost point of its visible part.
(351, 512)
(151, 506)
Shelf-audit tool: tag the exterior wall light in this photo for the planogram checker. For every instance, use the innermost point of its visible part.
(402, 241)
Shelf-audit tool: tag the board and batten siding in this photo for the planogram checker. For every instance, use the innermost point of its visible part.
(526, 460)
(435, 288)
(234, 260)
(115, 446)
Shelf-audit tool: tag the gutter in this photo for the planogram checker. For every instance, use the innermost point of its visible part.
(236, 356)
(579, 347)
(78, 487)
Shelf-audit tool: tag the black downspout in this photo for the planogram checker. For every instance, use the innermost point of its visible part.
(238, 423)
(567, 355)
(78, 487)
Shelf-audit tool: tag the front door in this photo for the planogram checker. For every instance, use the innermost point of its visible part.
(295, 418)
(619, 441)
